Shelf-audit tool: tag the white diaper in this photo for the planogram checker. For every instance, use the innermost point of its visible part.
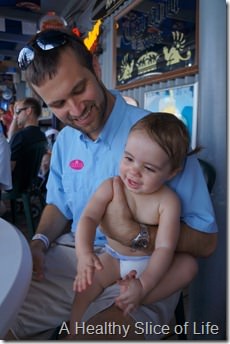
(128, 263)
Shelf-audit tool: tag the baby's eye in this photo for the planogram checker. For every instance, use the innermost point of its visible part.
(150, 169)
(128, 158)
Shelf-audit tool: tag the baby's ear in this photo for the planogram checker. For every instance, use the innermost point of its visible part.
(174, 172)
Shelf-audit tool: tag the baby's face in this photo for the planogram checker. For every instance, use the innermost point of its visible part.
(145, 166)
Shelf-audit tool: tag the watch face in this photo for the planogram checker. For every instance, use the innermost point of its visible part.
(141, 243)
(144, 243)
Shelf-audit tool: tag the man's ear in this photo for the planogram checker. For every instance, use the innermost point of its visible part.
(96, 67)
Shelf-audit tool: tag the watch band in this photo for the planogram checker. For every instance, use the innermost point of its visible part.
(142, 238)
(43, 238)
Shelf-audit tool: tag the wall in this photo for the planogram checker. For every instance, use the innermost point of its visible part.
(208, 291)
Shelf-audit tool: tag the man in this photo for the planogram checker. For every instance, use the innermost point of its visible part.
(5, 168)
(87, 151)
(26, 132)
(3, 127)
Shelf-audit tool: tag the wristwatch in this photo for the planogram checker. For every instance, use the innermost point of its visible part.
(142, 238)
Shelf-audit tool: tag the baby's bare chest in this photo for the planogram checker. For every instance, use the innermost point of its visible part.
(144, 208)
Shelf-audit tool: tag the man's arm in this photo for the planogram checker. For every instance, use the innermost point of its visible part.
(123, 228)
(198, 244)
(51, 226)
(13, 127)
(52, 223)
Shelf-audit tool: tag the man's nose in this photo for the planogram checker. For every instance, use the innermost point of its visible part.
(75, 108)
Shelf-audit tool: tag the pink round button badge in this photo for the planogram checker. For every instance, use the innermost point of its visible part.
(76, 164)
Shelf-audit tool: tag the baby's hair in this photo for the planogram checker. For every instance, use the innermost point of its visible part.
(170, 133)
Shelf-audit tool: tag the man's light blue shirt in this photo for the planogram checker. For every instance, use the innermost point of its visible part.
(79, 165)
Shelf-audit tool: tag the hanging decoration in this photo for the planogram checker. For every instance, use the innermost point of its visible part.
(105, 8)
(52, 21)
(77, 32)
(33, 5)
(92, 39)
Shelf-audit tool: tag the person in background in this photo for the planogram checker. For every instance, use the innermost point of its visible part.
(7, 118)
(14, 127)
(131, 100)
(51, 135)
(155, 151)
(3, 127)
(11, 107)
(60, 69)
(27, 112)
(5, 169)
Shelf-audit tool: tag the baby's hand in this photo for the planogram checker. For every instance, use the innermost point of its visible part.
(87, 263)
(131, 293)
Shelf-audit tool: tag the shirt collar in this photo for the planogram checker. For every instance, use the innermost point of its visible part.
(115, 119)
(112, 124)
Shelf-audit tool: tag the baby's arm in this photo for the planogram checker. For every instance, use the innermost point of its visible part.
(167, 236)
(87, 261)
(166, 241)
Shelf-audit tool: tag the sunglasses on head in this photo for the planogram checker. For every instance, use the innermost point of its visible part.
(46, 40)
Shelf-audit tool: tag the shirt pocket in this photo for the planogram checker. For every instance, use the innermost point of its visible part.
(77, 191)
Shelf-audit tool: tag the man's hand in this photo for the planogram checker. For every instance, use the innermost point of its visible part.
(118, 223)
(38, 252)
(52, 224)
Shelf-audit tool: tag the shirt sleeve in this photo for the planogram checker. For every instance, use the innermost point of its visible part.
(55, 192)
(197, 208)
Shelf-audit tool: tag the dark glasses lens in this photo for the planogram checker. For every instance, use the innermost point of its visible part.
(45, 41)
(25, 57)
(51, 39)
(18, 111)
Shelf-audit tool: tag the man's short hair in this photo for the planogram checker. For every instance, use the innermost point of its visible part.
(34, 104)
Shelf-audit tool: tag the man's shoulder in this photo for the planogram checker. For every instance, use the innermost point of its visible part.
(27, 135)
(66, 135)
(32, 133)
(67, 130)
(133, 113)
(17, 137)
(127, 107)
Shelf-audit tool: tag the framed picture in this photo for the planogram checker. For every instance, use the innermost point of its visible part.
(182, 101)
(155, 40)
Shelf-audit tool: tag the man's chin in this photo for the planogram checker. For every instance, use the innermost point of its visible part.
(86, 131)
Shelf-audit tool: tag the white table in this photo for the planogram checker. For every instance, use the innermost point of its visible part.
(15, 273)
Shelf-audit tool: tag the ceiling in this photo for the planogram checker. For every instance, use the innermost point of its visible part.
(19, 20)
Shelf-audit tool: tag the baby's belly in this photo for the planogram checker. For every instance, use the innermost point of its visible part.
(127, 251)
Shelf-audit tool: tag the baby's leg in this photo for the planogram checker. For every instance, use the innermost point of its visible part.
(101, 280)
(181, 272)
